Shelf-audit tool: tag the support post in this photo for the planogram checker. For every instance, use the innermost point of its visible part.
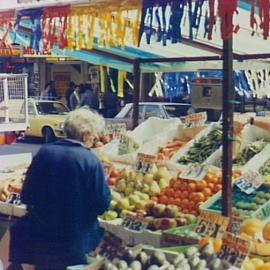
(228, 110)
(136, 92)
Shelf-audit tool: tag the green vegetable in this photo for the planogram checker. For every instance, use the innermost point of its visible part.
(204, 148)
(249, 152)
(265, 169)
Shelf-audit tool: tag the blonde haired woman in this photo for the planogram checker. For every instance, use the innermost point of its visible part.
(65, 190)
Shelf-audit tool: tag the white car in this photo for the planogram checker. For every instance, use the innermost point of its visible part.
(163, 110)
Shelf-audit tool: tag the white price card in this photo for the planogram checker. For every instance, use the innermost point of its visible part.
(196, 119)
(134, 223)
(249, 182)
(211, 225)
(234, 250)
(235, 224)
(116, 128)
(195, 171)
(145, 163)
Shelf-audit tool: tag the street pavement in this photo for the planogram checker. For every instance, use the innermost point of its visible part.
(27, 146)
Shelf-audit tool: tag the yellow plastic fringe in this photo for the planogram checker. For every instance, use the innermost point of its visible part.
(112, 23)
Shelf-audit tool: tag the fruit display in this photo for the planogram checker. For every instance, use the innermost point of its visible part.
(188, 195)
(101, 141)
(255, 264)
(114, 175)
(265, 171)
(164, 217)
(168, 151)
(10, 186)
(244, 204)
(155, 259)
(249, 152)
(204, 148)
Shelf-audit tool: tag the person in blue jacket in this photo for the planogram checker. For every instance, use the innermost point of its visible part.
(65, 191)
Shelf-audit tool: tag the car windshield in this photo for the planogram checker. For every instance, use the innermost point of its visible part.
(51, 108)
(177, 110)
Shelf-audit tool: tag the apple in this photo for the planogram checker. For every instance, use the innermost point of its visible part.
(171, 211)
(158, 210)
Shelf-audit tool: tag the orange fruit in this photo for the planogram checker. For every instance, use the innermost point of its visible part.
(211, 186)
(200, 185)
(200, 197)
(191, 187)
(266, 231)
(217, 188)
(209, 176)
(205, 241)
(207, 192)
(178, 194)
(169, 192)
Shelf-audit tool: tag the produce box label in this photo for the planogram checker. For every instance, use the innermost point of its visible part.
(211, 224)
(235, 224)
(195, 172)
(116, 128)
(134, 223)
(145, 163)
(196, 119)
(110, 247)
(14, 198)
(249, 182)
(234, 250)
(264, 211)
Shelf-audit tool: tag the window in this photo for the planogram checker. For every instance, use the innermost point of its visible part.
(130, 113)
(51, 108)
(153, 111)
(31, 109)
(177, 110)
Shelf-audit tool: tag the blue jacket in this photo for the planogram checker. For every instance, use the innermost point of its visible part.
(65, 190)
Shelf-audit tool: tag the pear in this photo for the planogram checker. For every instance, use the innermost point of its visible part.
(162, 172)
(115, 195)
(146, 188)
(121, 185)
(148, 178)
(124, 204)
(154, 189)
(140, 205)
(163, 183)
(133, 198)
(144, 197)
(129, 190)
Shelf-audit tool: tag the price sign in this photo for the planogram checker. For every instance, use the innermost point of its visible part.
(134, 223)
(116, 128)
(234, 250)
(196, 119)
(145, 163)
(14, 198)
(235, 224)
(195, 171)
(211, 225)
(249, 182)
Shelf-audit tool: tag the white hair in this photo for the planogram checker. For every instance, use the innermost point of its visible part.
(83, 122)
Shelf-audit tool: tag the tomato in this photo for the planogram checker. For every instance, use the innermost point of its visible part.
(207, 192)
(200, 185)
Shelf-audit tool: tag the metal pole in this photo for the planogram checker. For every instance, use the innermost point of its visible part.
(136, 92)
(228, 109)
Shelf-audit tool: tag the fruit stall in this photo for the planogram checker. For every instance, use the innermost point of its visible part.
(166, 211)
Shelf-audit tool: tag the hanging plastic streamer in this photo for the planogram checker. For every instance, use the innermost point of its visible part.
(33, 16)
(157, 88)
(227, 8)
(264, 6)
(55, 27)
(197, 15)
(114, 23)
(7, 20)
(253, 21)
(156, 22)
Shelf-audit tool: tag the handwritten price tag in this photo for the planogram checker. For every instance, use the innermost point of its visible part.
(195, 171)
(116, 128)
(196, 119)
(249, 182)
(145, 163)
(234, 250)
(211, 224)
(235, 224)
(134, 223)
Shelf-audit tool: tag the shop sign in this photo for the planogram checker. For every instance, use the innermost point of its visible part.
(145, 163)
(211, 225)
(196, 119)
(249, 182)
(28, 53)
(234, 250)
(196, 172)
(134, 223)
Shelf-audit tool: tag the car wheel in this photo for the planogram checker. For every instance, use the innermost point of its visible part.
(48, 135)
